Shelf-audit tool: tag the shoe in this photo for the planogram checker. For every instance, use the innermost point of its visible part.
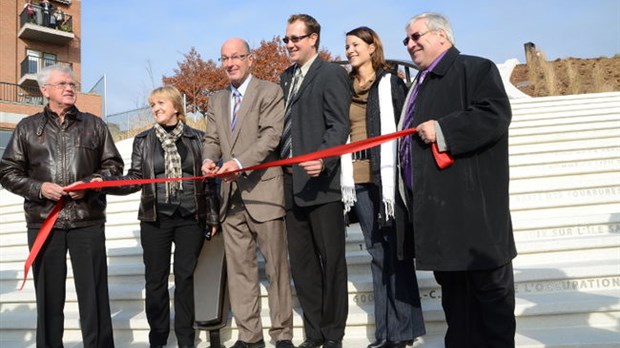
(284, 344)
(187, 346)
(397, 344)
(156, 346)
(310, 343)
(332, 344)
(379, 344)
(241, 344)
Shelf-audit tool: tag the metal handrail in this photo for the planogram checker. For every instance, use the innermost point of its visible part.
(56, 19)
(32, 65)
(396, 64)
(15, 93)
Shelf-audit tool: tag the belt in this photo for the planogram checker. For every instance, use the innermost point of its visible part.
(287, 169)
(361, 155)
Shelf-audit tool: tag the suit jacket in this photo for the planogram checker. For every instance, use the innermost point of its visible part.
(254, 141)
(320, 119)
(461, 215)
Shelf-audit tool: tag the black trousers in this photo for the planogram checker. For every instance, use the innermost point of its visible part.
(479, 307)
(157, 238)
(86, 247)
(316, 243)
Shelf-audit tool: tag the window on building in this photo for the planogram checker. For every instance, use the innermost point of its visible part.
(5, 135)
(38, 60)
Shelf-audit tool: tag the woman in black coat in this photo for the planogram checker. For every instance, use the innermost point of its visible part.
(173, 212)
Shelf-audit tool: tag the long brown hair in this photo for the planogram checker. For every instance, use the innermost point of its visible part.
(370, 37)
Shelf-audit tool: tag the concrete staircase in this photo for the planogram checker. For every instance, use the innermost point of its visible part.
(565, 201)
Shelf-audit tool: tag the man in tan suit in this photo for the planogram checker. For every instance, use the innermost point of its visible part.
(244, 127)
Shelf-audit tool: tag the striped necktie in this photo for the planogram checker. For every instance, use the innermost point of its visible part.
(405, 144)
(237, 100)
(286, 141)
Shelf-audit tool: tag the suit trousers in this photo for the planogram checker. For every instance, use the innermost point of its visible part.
(479, 307)
(86, 247)
(242, 236)
(398, 311)
(157, 238)
(316, 241)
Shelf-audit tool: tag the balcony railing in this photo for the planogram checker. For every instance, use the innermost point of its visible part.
(53, 26)
(31, 66)
(14, 93)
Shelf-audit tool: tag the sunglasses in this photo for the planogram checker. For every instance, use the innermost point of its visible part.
(415, 37)
(294, 39)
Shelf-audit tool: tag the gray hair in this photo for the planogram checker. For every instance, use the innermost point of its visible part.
(434, 21)
(44, 75)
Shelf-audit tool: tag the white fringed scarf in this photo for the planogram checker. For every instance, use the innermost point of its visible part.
(388, 156)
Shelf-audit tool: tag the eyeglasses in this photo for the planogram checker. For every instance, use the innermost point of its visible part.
(415, 37)
(233, 59)
(63, 85)
(294, 39)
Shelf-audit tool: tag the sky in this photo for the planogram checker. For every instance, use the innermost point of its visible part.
(135, 43)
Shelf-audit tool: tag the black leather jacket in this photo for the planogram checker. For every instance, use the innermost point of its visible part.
(144, 146)
(40, 150)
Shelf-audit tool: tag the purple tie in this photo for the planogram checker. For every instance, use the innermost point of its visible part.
(405, 144)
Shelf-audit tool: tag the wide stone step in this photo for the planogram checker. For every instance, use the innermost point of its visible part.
(359, 330)
(564, 115)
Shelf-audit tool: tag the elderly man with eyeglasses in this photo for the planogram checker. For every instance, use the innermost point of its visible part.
(48, 152)
(460, 215)
(244, 128)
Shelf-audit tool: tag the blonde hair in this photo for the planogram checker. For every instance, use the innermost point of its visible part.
(171, 93)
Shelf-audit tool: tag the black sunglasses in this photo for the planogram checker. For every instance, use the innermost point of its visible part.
(294, 39)
(415, 37)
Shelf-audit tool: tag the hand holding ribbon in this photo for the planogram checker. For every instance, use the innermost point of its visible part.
(442, 159)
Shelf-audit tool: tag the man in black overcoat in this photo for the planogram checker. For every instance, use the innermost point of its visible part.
(461, 218)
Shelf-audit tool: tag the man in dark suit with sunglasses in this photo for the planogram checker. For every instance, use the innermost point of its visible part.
(317, 104)
(461, 217)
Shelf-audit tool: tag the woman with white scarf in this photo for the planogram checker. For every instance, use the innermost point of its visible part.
(369, 181)
(179, 212)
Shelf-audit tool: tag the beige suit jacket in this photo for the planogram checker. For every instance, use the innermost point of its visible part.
(254, 141)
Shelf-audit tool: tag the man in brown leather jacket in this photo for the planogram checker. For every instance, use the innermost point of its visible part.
(47, 152)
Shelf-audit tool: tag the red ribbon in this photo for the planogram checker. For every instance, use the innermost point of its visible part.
(442, 159)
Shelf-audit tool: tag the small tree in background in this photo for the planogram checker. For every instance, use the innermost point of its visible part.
(197, 79)
(271, 60)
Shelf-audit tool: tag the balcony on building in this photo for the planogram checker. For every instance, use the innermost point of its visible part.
(31, 66)
(54, 26)
(13, 93)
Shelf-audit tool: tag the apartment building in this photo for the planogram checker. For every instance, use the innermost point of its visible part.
(33, 35)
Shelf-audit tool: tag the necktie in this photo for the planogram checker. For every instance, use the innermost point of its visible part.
(237, 100)
(285, 149)
(405, 145)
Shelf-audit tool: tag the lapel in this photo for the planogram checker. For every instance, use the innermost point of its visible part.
(247, 102)
(312, 73)
(224, 109)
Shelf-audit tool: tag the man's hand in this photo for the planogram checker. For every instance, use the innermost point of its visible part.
(52, 191)
(76, 194)
(426, 131)
(96, 179)
(229, 167)
(208, 167)
(211, 231)
(313, 168)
